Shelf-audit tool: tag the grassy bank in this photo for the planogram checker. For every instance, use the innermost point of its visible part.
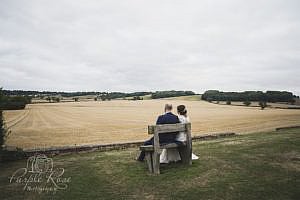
(254, 166)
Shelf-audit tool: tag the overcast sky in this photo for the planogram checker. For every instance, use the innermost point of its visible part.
(120, 45)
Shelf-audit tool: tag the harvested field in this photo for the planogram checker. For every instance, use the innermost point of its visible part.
(76, 123)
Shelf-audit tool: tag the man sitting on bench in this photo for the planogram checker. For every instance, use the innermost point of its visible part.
(167, 118)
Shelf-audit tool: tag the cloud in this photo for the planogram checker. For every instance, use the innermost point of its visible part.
(150, 45)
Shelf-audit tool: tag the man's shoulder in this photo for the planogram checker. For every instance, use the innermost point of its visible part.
(160, 116)
(166, 115)
(170, 118)
(171, 115)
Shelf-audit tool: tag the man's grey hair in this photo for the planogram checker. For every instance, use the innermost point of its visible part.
(168, 106)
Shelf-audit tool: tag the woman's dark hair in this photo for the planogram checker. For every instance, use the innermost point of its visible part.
(181, 110)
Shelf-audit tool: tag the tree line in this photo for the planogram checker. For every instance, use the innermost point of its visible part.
(47, 93)
(2, 130)
(116, 95)
(111, 95)
(171, 93)
(138, 95)
(13, 102)
(52, 96)
(268, 96)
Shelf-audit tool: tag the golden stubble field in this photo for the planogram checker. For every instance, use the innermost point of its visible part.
(76, 123)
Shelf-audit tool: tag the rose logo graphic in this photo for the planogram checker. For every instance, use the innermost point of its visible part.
(39, 175)
(39, 164)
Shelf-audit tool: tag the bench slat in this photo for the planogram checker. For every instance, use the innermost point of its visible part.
(169, 146)
(147, 148)
(163, 146)
(166, 128)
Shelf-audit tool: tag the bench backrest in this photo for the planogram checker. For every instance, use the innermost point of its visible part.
(170, 128)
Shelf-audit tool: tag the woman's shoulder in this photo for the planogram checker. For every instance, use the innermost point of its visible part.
(183, 119)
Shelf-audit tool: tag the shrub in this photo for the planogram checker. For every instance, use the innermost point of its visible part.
(209, 99)
(2, 130)
(247, 103)
(103, 97)
(48, 99)
(137, 98)
(228, 102)
(3, 135)
(7, 155)
(292, 101)
(13, 102)
(262, 104)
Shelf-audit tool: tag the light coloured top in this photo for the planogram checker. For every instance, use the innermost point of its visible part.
(182, 136)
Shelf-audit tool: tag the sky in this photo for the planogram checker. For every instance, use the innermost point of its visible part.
(137, 45)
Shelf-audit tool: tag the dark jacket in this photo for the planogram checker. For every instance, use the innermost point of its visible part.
(168, 118)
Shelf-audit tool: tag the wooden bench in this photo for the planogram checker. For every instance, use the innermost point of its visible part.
(152, 152)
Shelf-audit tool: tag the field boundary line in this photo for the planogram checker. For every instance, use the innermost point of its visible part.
(287, 127)
(109, 147)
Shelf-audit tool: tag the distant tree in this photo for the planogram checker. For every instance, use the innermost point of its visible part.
(262, 104)
(137, 98)
(209, 99)
(171, 93)
(95, 99)
(2, 96)
(210, 94)
(228, 102)
(57, 99)
(279, 96)
(269, 96)
(2, 130)
(48, 99)
(292, 101)
(13, 102)
(247, 103)
(103, 97)
(76, 99)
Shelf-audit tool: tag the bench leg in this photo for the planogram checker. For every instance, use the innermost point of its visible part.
(186, 155)
(156, 163)
(149, 159)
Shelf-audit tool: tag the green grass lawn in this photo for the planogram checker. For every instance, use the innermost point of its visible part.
(254, 166)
